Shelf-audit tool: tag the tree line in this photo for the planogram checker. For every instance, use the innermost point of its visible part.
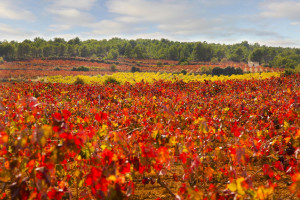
(183, 52)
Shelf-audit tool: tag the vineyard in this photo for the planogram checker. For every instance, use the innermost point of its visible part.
(149, 77)
(35, 68)
(179, 137)
(149, 100)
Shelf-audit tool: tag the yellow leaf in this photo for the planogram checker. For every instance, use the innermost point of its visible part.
(232, 187)
(264, 193)
(287, 139)
(6, 164)
(115, 124)
(30, 118)
(285, 124)
(195, 195)
(226, 109)
(77, 173)
(259, 133)
(129, 177)
(298, 134)
(103, 146)
(173, 141)
(81, 183)
(209, 171)
(116, 137)
(115, 157)
(240, 189)
(43, 141)
(185, 150)
(111, 178)
(154, 133)
(4, 176)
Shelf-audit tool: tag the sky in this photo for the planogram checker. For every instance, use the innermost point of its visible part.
(267, 22)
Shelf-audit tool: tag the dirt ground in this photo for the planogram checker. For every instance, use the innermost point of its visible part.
(155, 191)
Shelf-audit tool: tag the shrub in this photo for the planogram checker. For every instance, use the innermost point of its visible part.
(288, 72)
(203, 69)
(182, 60)
(184, 63)
(228, 71)
(113, 68)
(224, 60)
(113, 54)
(56, 69)
(214, 60)
(81, 68)
(107, 62)
(159, 64)
(94, 57)
(265, 65)
(239, 71)
(206, 70)
(135, 69)
(111, 80)
(79, 81)
(1, 60)
(183, 72)
(217, 71)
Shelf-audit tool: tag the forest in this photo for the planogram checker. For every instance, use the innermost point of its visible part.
(183, 52)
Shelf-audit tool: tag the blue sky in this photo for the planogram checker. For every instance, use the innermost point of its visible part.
(269, 22)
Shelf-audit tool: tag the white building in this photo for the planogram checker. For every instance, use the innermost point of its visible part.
(253, 64)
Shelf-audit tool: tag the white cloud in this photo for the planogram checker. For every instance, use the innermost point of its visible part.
(176, 19)
(159, 35)
(295, 23)
(59, 27)
(153, 35)
(185, 20)
(70, 13)
(77, 4)
(134, 11)
(106, 27)
(9, 9)
(70, 16)
(58, 35)
(217, 2)
(281, 9)
(281, 43)
(193, 26)
(11, 33)
(134, 16)
(170, 18)
(6, 29)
